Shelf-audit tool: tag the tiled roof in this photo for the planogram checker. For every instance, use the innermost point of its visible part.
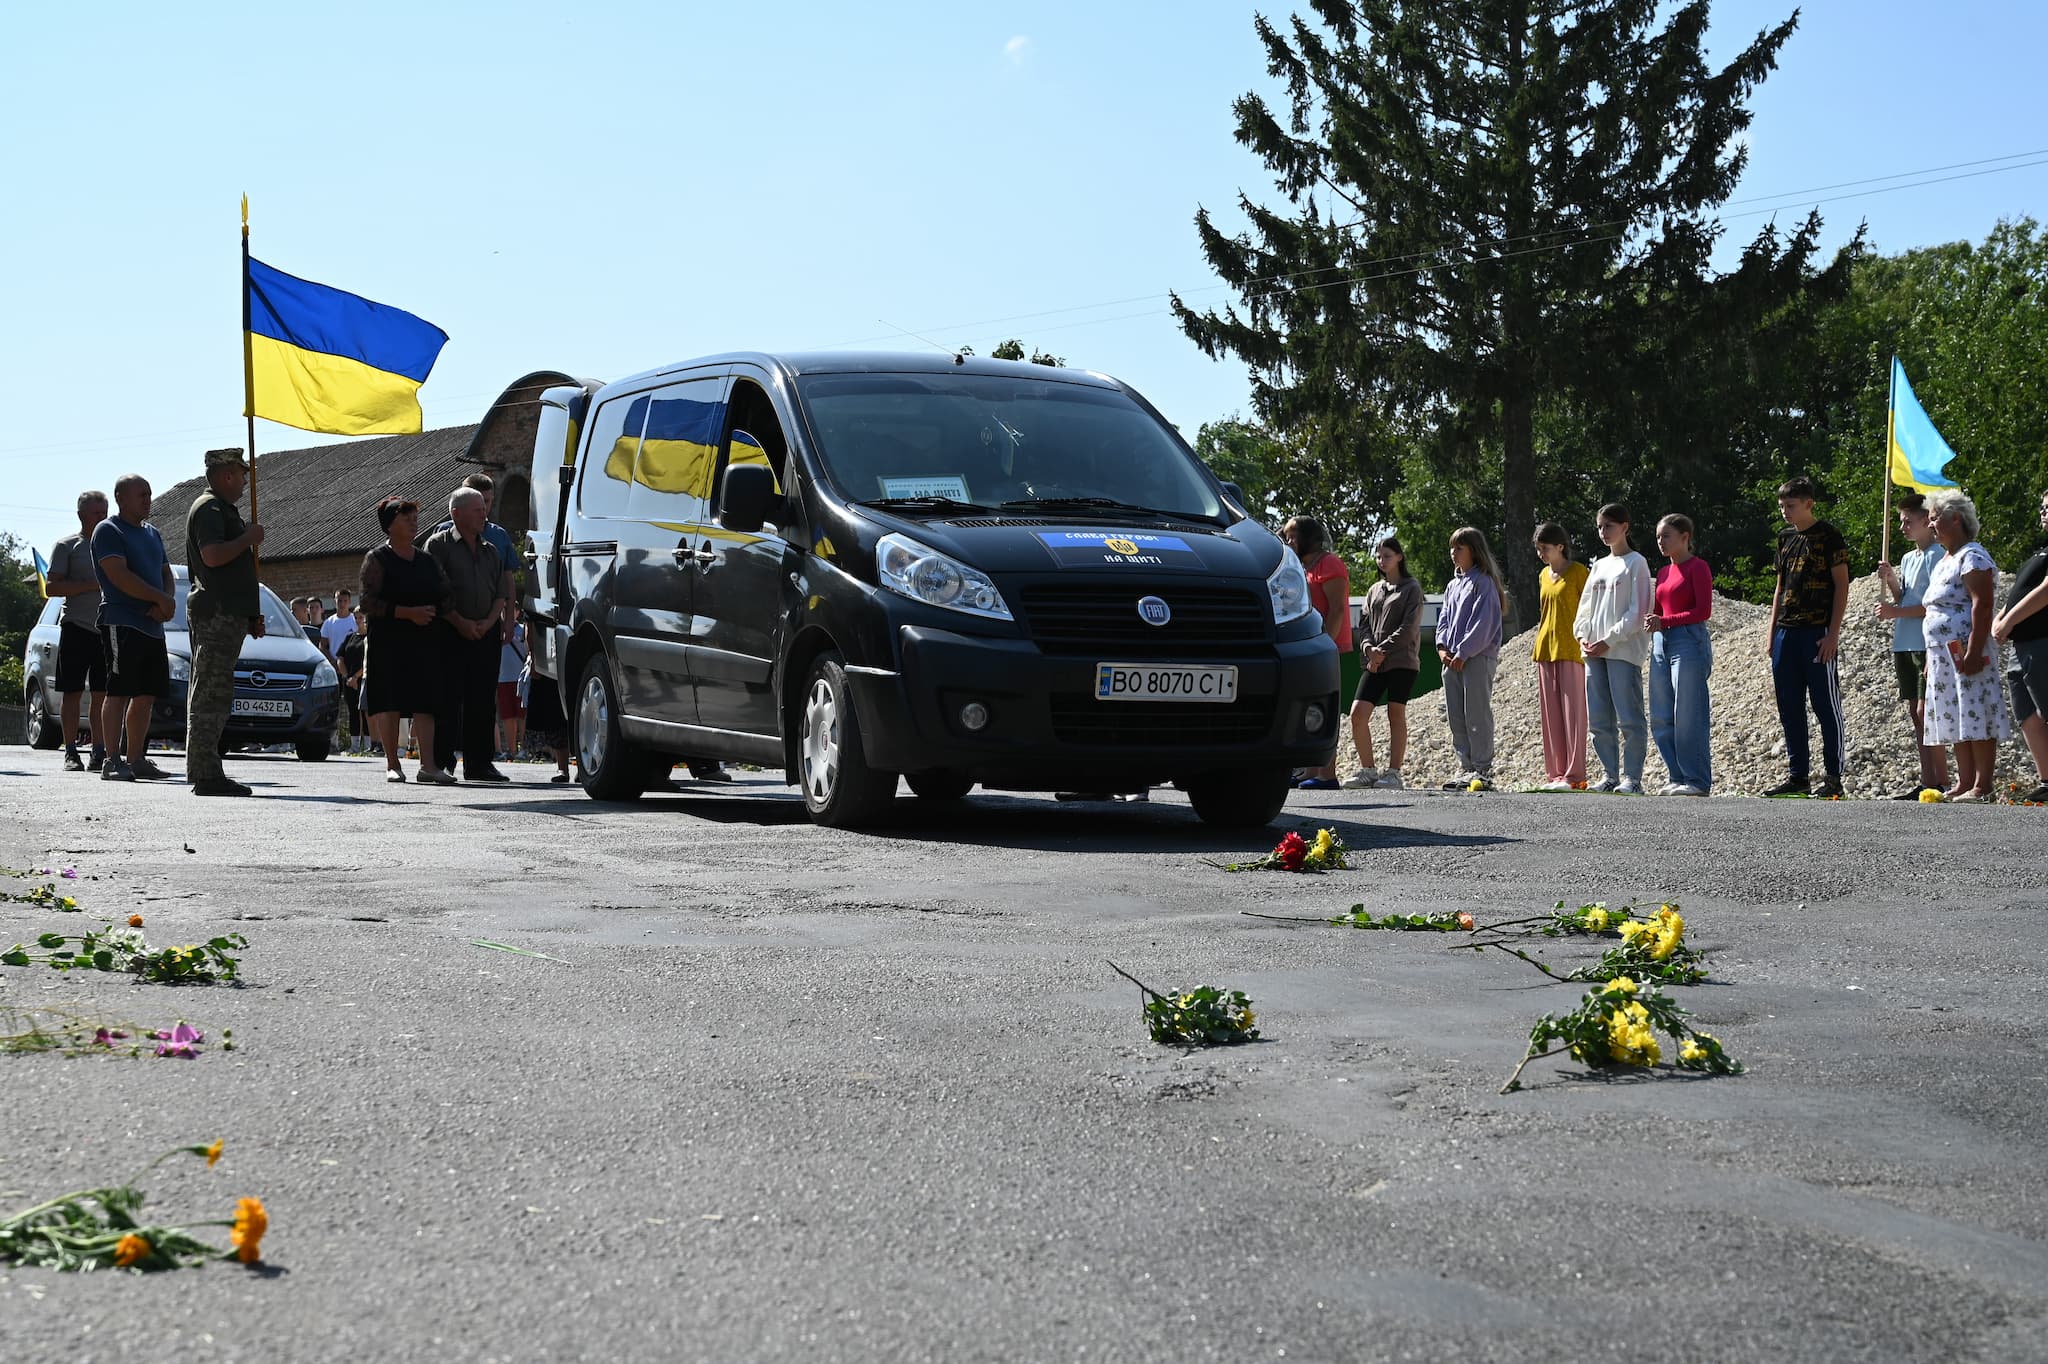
(324, 500)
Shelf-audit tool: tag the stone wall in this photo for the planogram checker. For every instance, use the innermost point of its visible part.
(318, 576)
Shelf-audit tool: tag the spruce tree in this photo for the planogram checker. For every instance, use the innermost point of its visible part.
(1485, 202)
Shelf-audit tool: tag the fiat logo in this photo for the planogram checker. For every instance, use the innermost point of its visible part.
(1154, 611)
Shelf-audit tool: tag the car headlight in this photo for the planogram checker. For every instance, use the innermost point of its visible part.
(923, 574)
(1289, 588)
(181, 668)
(324, 675)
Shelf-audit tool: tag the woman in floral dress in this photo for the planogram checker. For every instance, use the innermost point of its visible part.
(1965, 704)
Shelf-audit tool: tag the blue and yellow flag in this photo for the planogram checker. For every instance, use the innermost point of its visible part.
(1918, 454)
(322, 359)
(42, 573)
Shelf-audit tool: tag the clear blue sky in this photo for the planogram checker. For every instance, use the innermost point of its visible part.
(606, 189)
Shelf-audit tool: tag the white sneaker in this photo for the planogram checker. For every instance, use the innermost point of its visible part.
(1361, 781)
(1555, 786)
(1390, 780)
(1628, 786)
(1683, 789)
(1670, 788)
(1604, 784)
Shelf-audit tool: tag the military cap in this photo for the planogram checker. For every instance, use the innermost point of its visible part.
(230, 458)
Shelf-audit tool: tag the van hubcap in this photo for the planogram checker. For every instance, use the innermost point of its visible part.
(593, 720)
(821, 742)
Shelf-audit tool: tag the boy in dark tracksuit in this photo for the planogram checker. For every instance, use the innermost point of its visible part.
(1806, 634)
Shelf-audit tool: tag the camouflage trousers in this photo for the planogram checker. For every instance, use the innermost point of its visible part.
(216, 647)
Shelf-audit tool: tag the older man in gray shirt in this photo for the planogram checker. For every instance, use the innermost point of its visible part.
(475, 621)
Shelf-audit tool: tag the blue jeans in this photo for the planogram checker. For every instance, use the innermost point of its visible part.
(1614, 712)
(1681, 661)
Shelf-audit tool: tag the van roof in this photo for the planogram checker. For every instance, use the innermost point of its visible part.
(793, 363)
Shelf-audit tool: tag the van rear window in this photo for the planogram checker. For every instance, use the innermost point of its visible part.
(996, 440)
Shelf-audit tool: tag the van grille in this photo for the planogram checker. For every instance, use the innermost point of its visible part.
(1091, 618)
(1078, 718)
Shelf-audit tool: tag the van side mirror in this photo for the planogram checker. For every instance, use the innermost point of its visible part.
(746, 495)
(1236, 494)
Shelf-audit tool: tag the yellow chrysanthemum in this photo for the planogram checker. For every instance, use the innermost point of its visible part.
(1477, 785)
(251, 1221)
(130, 1249)
(1597, 919)
(1631, 929)
(1692, 1051)
(1621, 985)
(213, 1153)
(1245, 1024)
(1929, 796)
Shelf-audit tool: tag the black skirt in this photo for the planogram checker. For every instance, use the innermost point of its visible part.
(401, 669)
(544, 717)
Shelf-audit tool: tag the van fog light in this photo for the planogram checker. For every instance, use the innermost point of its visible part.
(974, 716)
(1313, 718)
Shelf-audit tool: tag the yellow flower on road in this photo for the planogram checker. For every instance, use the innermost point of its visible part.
(1621, 985)
(130, 1249)
(251, 1221)
(1929, 796)
(213, 1153)
(1597, 919)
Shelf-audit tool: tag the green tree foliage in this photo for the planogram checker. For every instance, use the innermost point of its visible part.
(1013, 349)
(1491, 206)
(20, 604)
(1283, 478)
(1970, 323)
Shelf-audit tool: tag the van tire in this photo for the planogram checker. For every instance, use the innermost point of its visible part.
(609, 768)
(840, 790)
(315, 749)
(39, 728)
(1239, 800)
(940, 786)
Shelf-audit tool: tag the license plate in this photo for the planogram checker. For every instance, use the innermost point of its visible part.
(1163, 682)
(251, 705)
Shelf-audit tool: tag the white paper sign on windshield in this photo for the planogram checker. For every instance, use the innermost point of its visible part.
(942, 485)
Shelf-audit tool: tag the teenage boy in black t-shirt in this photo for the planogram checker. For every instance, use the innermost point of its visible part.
(1805, 636)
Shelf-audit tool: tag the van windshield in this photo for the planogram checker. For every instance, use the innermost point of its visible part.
(996, 442)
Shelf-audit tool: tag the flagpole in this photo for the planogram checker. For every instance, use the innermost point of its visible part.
(1890, 416)
(249, 380)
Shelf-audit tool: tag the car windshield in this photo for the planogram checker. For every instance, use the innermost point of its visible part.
(993, 441)
(277, 619)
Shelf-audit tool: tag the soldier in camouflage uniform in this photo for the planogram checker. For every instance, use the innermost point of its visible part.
(224, 608)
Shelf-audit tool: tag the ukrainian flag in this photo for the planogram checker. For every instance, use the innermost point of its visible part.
(325, 360)
(42, 573)
(1918, 454)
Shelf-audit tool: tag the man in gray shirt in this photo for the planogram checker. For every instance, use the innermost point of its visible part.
(475, 620)
(81, 659)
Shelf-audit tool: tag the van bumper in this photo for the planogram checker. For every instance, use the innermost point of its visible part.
(1046, 728)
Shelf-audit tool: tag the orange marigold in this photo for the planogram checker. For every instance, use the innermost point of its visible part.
(130, 1249)
(213, 1152)
(251, 1221)
(135, 921)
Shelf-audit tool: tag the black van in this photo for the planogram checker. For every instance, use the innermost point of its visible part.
(958, 571)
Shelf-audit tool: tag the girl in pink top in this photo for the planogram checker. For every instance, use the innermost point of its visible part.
(1681, 661)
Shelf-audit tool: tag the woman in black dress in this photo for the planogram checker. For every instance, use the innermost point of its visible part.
(348, 659)
(401, 594)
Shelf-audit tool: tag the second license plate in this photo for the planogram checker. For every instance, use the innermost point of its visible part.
(1164, 682)
(250, 705)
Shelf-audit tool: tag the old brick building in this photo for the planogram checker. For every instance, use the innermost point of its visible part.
(319, 506)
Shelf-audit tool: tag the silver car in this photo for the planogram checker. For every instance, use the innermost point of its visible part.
(285, 689)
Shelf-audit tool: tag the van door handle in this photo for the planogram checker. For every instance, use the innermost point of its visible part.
(702, 556)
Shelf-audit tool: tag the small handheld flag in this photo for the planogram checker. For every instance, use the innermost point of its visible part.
(42, 573)
(323, 359)
(1916, 450)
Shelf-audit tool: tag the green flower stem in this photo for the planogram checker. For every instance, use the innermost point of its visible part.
(1515, 1080)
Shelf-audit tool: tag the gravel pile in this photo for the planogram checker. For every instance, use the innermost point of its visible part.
(1749, 746)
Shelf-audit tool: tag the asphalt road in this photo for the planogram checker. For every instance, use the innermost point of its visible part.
(796, 1094)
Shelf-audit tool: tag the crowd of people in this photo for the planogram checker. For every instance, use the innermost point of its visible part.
(1624, 659)
(434, 641)
(431, 637)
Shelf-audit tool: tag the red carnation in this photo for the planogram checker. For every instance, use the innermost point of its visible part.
(1291, 851)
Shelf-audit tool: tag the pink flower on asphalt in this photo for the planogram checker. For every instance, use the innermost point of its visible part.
(179, 1041)
(69, 873)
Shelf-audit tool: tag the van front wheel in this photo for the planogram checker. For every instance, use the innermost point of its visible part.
(609, 767)
(1239, 800)
(840, 790)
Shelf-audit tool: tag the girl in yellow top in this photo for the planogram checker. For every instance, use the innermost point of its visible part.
(1560, 663)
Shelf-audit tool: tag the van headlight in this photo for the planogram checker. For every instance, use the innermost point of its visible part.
(923, 574)
(324, 675)
(1289, 588)
(181, 668)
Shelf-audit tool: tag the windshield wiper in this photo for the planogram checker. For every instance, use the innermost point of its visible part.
(929, 503)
